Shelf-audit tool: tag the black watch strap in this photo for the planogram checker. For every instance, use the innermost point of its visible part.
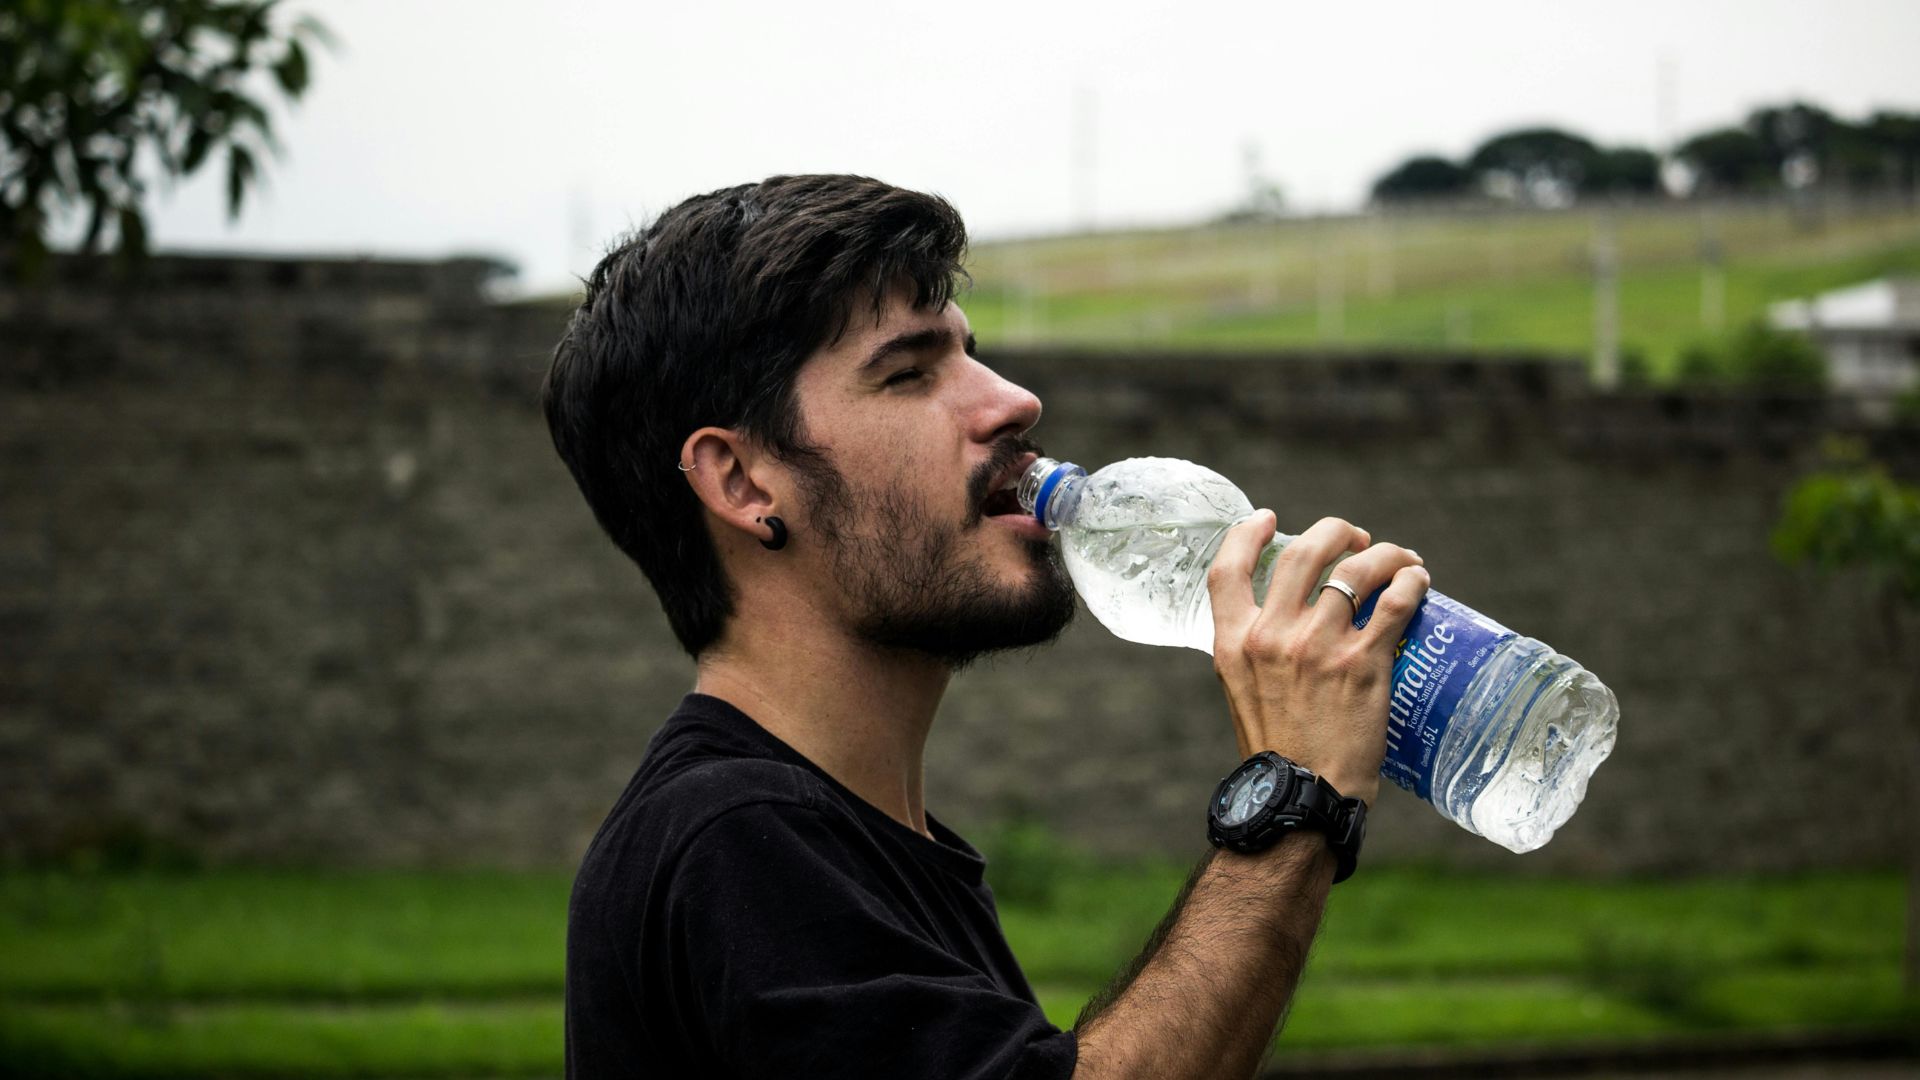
(1299, 799)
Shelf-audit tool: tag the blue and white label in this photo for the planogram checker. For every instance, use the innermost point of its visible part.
(1444, 647)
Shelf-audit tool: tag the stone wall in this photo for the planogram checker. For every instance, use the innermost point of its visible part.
(290, 572)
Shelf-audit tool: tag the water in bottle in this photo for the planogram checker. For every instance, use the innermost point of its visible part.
(1495, 730)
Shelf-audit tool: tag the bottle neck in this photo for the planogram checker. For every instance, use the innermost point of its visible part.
(1050, 491)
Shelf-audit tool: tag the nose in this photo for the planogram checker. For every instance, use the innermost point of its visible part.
(1007, 408)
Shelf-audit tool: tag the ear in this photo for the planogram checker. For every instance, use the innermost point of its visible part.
(730, 476)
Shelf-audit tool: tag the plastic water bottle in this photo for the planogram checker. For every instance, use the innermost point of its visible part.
(1497, 731)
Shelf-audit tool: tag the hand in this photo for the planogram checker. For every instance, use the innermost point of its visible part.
(1299, 679)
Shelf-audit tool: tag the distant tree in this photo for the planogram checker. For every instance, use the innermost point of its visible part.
(1729, 160)
(1854, 517)
(91, 91)
(1700, 363)
(1636, 367)
(1881, 153)
(1541, 166)
(1423, 177)
(1777, 358)
(1895, 138)
(1811, 147)
(1851, 159)
(1755, 354)
(1800, 145)
(1792, 130)
(1623, 171)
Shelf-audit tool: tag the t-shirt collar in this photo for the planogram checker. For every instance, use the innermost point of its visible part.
(947, 849)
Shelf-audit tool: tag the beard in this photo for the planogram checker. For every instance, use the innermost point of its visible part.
(909, 580)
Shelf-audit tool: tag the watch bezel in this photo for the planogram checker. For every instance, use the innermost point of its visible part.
(1252, 834)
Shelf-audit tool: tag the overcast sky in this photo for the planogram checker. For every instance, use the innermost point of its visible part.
(537, 131)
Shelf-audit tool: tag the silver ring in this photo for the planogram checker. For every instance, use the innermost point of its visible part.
(1346, 590)
(683, 467)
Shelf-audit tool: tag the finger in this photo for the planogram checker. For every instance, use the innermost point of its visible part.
(1230, 578)
(1364, 573)
(1299, 567)
(1396, 606)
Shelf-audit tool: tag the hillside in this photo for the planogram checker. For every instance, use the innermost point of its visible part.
(1476, 279)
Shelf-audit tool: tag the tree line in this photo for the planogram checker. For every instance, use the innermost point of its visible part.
(1778, 148)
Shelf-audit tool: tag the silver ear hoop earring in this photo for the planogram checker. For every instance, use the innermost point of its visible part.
(683, 467)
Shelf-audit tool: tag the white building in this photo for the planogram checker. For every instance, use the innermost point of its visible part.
(1870, 334)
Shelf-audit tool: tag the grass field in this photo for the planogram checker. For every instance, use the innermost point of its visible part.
(255, 973)
(1493, 282)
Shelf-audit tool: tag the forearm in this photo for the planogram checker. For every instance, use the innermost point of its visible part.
(1220, 974)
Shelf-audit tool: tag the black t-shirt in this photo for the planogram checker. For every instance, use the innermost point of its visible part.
(740, 913)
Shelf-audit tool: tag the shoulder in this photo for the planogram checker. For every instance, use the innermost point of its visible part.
(717, 786)
(640, 857)
(674, 810)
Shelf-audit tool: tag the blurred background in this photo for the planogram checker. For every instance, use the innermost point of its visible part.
(316, 674)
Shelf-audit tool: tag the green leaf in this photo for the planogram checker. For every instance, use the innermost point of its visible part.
(246, 110)
(252, 24)
(291, 71)
(240, 173)
(198, 144)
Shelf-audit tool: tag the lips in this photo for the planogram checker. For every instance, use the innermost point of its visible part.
(1000, 498)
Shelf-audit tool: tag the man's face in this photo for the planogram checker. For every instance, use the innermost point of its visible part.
(911, 499)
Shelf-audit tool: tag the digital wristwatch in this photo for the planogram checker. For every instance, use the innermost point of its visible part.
(1268, 797)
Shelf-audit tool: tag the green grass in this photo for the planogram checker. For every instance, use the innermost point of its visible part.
(261, 973)
(1420, 924)
(1519, 282)
(281, 935)
(1335, 1014)
(424, 1039)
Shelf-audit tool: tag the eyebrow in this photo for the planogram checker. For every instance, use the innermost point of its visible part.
(913, 341)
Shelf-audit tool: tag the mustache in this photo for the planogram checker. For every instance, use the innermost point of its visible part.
(1005, 453)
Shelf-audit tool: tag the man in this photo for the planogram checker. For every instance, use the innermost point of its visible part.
(772, 405)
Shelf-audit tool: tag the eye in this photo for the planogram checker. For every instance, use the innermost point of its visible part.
(903, 376)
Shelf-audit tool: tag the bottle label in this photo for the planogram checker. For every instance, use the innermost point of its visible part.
(1444, 647)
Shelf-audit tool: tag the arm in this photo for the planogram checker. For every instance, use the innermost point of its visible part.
(1215, 979)
(1204, 997)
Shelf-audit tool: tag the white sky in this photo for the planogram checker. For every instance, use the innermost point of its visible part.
(537, 131)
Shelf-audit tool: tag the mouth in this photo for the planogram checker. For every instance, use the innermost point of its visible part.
(1002, 500)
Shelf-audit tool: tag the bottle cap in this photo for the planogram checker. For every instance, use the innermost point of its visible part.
(1041, 481)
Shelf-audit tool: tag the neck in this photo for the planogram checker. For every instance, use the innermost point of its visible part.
(860, 713)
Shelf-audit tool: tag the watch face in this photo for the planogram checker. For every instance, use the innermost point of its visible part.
(1249, 792)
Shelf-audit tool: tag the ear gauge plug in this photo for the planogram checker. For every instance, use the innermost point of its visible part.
(779, 539)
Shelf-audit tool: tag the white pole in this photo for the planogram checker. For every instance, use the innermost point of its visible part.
(1380, 264)
(1084, 106)
(1606, 303)
(1713, 275)
(1333, 285)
